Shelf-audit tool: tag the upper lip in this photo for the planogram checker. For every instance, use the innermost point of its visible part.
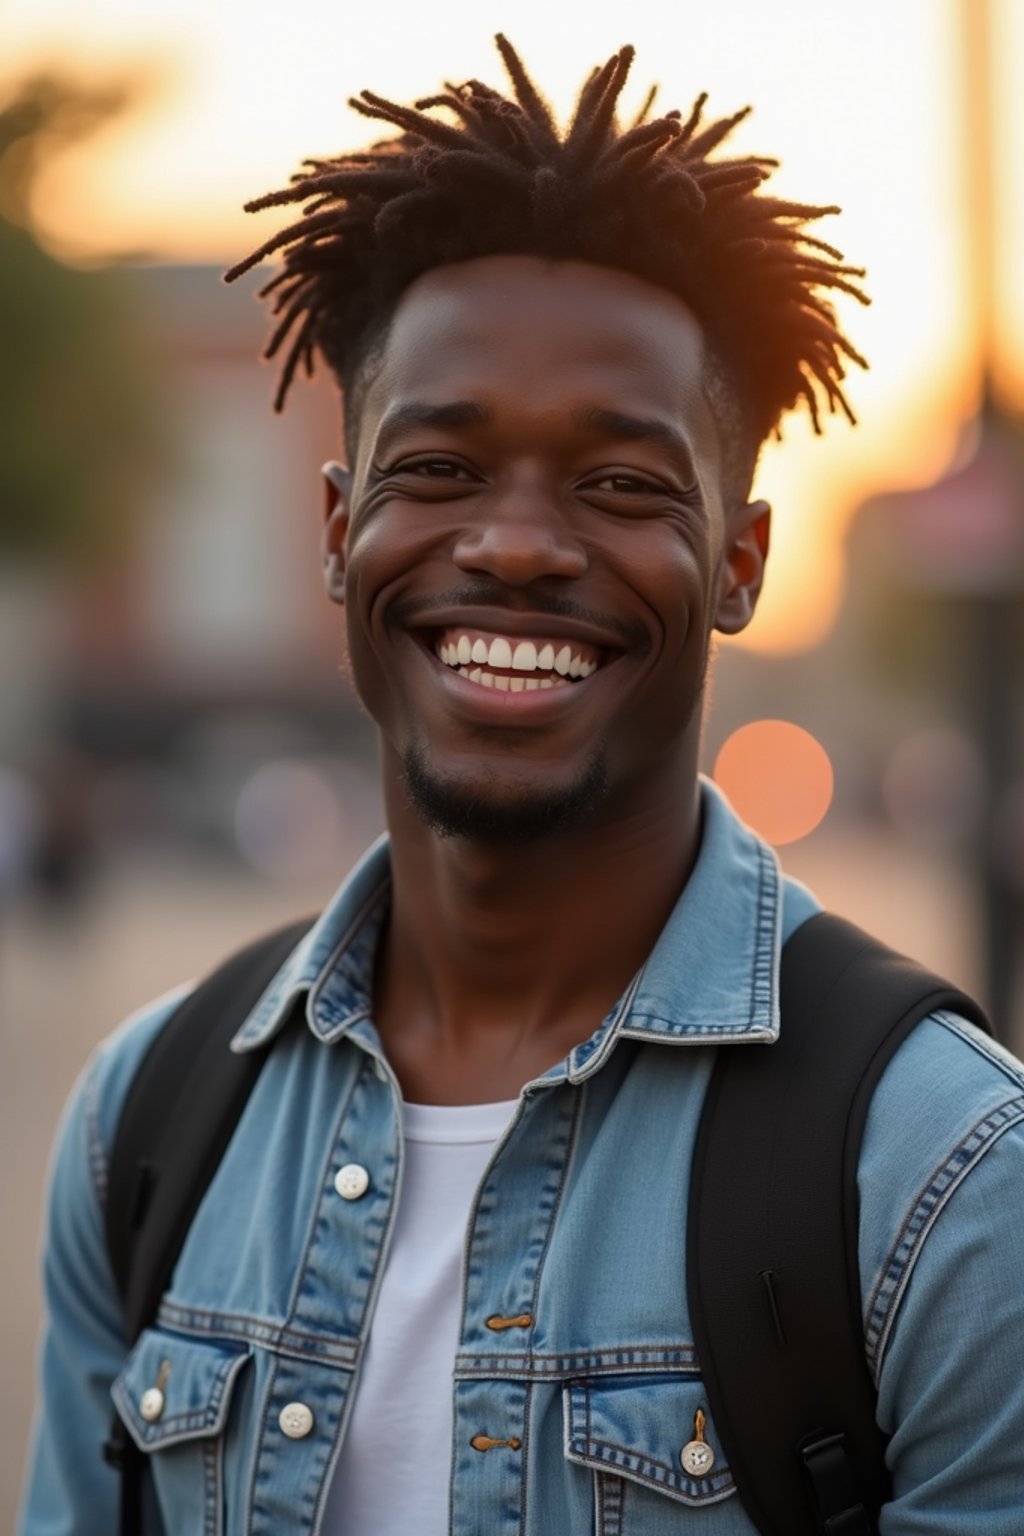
(517, 621)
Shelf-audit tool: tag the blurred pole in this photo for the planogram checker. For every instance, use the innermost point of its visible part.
(989, 626)
(989, 616)
(980, 136)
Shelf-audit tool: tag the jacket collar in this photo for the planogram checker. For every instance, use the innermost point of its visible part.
(713, 975)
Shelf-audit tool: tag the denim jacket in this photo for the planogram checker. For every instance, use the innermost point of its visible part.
(577, 1230)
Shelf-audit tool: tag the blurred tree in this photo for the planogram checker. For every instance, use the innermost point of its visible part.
(80, 441)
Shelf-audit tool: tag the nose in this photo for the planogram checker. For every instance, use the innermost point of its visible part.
(521, 536)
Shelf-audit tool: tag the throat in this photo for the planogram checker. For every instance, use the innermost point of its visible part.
(475, 1056)
(469, 1011)
(497, 959)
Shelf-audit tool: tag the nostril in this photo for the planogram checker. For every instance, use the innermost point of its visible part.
(520, 553)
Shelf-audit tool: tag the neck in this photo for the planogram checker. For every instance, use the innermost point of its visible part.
(519, 952)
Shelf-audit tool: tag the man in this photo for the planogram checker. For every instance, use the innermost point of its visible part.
(437, 1281)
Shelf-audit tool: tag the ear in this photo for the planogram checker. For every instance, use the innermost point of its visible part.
(337, 489)
(742, 571)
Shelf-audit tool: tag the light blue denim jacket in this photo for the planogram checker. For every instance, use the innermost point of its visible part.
(578, 1223)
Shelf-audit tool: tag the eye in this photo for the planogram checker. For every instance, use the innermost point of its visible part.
(629, 483)
(434, 469)
(622, 482)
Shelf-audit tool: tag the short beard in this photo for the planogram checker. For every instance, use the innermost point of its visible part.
(451, 811)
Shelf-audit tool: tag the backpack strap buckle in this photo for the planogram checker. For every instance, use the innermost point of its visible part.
(115, 1447)
(836, 1492)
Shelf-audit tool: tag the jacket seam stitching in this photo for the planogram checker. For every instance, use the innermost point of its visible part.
(625, 1356)
(319, 983)
(572, 1138)
(173, 1312)
(95, 1151)
(764, 948)
(330, 1149)
(524, 1480)
(277, 1343)
(894, 1275)
(954, 1024)
(663, 1477)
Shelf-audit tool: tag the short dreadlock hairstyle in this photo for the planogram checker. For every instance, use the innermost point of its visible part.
(501, 179)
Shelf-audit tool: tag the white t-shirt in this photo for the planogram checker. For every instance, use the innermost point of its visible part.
(404, 1391)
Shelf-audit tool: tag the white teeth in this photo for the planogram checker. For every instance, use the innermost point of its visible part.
(524, 657)
(517, 684)
(501, 683)
(531, 684)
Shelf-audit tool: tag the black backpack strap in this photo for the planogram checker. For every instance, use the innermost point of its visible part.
(178, 1117)
(772, 1242)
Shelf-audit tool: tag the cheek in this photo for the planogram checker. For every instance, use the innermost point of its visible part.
(377, 559)
(389, 552)
(388, 548)
(358, 664)
(674, 581)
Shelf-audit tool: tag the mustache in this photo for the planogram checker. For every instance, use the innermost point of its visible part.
(406, 611)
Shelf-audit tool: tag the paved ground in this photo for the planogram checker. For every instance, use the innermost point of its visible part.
(145, 931)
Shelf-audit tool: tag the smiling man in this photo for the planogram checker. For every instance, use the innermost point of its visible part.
(437, 1280)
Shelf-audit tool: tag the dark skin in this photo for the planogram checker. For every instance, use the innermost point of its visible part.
(579, 500)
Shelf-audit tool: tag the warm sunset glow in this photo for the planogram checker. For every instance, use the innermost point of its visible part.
(864, 106)
(778, 777)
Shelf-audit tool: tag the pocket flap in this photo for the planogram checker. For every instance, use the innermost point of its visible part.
(174, 1388)
(639, 1429)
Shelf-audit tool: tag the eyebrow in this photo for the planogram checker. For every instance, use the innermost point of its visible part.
(634, 429)
(597, 420)
(420, 413)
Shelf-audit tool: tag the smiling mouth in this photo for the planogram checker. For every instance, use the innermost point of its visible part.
(514, 663)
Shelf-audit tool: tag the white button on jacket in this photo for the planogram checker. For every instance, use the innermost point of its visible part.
(296, 1420)
(352, 1181)
(151, 1405)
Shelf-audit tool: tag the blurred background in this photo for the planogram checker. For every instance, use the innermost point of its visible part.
(181, 761)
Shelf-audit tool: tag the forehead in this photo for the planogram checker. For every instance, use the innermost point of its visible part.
(539, 338)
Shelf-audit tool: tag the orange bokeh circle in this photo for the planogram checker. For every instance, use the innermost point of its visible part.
(778, 777)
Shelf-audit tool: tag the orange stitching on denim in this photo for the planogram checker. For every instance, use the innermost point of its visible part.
(487, 1443)
(498, 1324)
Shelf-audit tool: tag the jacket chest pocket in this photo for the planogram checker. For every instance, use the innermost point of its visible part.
(658, 1469)
(174, 1395)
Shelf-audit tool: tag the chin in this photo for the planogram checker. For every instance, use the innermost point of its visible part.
(481, 813)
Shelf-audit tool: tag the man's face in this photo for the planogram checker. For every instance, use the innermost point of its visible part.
(534, 543)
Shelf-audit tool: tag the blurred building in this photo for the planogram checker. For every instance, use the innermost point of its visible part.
(206, 646)
(221, 591)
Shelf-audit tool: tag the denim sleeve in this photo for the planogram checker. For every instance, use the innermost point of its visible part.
(944, 1298)
(70, 1490)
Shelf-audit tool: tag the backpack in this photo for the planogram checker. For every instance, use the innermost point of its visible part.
(774, 1291)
